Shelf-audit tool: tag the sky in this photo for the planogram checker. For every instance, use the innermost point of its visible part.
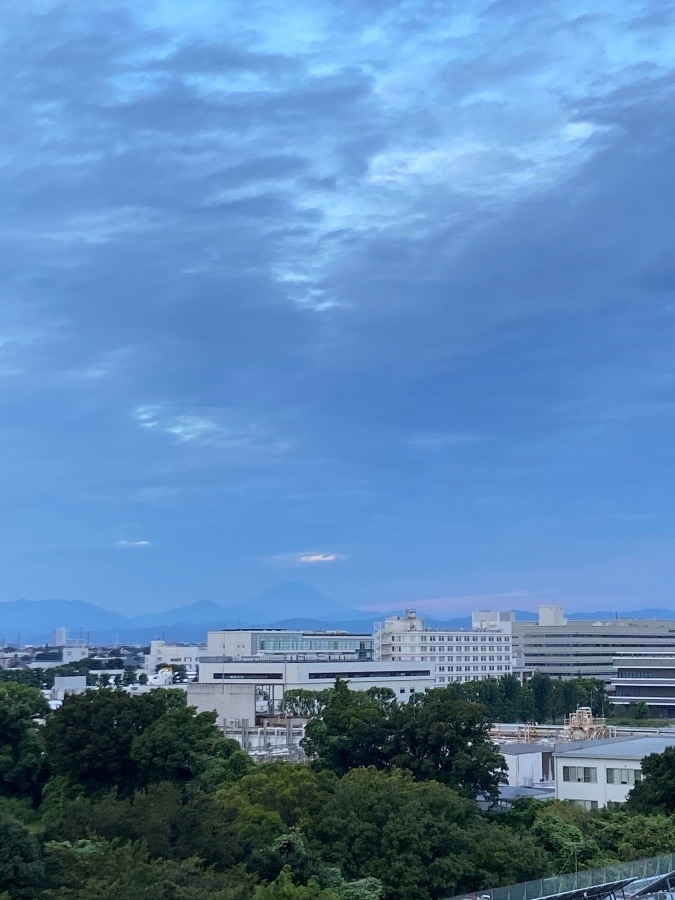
(376, 296)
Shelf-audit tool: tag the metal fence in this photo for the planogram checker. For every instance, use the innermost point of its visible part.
(557, 884)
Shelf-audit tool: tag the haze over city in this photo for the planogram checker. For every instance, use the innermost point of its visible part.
(374, 297)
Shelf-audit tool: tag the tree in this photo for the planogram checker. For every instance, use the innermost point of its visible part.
(283, 888)
(422, 840)
(656, 791)
(542, 694)
(526, 709)
(440, 736)
(566, 843)
(21, 745)
(90, 737)
(180, 746)
(631, 837)
(352, 729)
(21, 867)
(637, 710)
(114, 871)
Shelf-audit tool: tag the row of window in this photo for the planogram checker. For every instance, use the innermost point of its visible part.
(403, 654)
(589, 775)
(469, 668)
(408, 638)
(450, 678)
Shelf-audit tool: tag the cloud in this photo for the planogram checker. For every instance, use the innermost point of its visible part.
(124, 543)
(381, 276)
(306, 558)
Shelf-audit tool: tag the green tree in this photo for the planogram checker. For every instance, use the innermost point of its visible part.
(422, 840)
(542, 694)
(637, 710)
(114, 871)
(526, 709)
(656, 791)
(510, 689)
(90, 737)
(352, 729)
(284, 888)
(440, 736)
(21, 867)
(21, 747)
(179, 746)
(630, 837)
(566, 844)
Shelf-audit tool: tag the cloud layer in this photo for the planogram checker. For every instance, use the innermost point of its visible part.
(382, 277)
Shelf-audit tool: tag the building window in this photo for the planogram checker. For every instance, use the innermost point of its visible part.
(623, 776)
(585, 804)
(585, 774)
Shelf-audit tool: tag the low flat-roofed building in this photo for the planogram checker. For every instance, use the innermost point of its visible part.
(594, 773)
(528, 764)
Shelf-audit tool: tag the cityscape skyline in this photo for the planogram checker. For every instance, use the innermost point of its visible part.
(374, 297)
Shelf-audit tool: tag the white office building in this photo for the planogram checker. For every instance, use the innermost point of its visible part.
(170, 655)
(242, 686)
(594, 773)
(454, 655)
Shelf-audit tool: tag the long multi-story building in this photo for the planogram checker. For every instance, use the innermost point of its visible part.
(246, 673)
(454, 655)
(567, 649)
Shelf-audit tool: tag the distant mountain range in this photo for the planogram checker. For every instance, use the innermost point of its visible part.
(292, 605)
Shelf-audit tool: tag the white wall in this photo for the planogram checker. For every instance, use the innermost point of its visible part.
(163, 654)
(600, 791)
(524, 769)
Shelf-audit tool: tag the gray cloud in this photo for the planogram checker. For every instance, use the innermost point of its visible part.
(246, 264)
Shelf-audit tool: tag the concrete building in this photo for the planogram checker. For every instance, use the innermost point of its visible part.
(647, 679)
(566, 649)
(454, 655)
(252, 688)
(594, 773)
(279, 643)
(163, 654)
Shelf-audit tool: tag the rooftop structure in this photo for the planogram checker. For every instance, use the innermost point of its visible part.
(277, 643)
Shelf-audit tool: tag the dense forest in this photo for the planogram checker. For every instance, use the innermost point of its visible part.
(127, 798)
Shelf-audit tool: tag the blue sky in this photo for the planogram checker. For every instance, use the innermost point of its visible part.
(376, 296)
